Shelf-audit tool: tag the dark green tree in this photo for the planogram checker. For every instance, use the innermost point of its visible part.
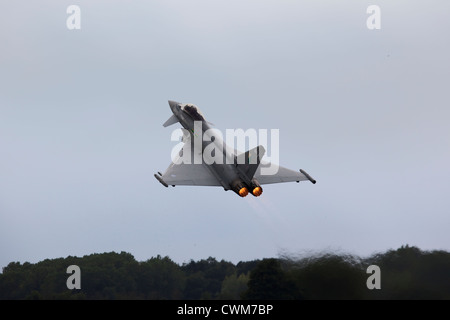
(233, 286)
(204, 278)
(330, 277)
(412, 274)
(160, 278)
(269, 282)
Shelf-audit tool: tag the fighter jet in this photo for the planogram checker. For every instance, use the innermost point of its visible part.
(240, 172)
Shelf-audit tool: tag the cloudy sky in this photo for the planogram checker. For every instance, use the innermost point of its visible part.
(365, 112)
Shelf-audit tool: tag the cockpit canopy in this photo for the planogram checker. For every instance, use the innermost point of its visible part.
(193, 111)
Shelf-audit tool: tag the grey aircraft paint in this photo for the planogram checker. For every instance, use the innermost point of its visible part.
(239, 174)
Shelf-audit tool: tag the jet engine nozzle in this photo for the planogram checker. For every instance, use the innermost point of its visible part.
(243, 192)
(257, 191)
(256, 188)
(240, 188)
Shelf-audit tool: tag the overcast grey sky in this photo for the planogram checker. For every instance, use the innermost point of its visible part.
(365, 112)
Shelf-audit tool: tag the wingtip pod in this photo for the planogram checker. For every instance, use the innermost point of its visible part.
(161, 181)
(308, 176)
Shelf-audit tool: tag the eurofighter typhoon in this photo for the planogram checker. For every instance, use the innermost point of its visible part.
(205, 159)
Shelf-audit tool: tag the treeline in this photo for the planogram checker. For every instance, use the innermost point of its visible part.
(405, 273)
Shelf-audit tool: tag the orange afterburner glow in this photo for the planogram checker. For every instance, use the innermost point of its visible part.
(243, 192)
(257, 191)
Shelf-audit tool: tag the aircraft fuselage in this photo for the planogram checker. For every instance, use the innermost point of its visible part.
(229, 175)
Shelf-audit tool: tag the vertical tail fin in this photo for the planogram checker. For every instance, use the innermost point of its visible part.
(248, 162)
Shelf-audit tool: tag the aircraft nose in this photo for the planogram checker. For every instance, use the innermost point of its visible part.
(173, 105)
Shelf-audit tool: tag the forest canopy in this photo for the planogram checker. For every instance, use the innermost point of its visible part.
(405, 273)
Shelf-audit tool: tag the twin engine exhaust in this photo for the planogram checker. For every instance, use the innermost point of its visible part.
(242, 189)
